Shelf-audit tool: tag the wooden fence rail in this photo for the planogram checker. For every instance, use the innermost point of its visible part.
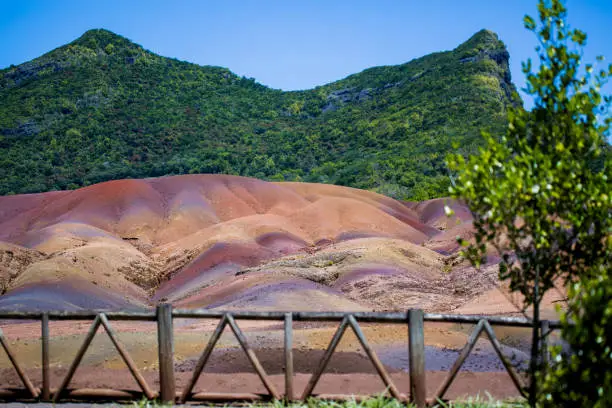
(164, 315)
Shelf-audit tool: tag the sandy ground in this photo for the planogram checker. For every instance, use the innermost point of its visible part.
(349, 371)
(467, 384)
(230, 242)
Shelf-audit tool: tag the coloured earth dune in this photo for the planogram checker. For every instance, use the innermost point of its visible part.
(231, 242)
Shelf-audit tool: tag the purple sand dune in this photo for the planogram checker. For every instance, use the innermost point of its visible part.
(262, 295)
(62, 296)
(236, 255)
(206, 277)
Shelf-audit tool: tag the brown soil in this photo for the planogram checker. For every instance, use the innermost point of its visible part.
(498, 385)
(193, 239)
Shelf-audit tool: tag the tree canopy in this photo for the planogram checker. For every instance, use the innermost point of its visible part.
(104, 108)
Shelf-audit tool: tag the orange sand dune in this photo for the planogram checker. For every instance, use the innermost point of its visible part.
(227, 241)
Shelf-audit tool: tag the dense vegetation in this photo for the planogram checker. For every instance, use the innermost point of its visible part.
(104, 108)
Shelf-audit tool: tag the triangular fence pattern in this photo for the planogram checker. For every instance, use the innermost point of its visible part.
(349, 320)
(101, 319)
(483, 325)
(164, 316)
(228, 319)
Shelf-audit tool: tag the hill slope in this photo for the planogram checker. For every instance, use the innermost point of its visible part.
(227, 241)
(103, 108)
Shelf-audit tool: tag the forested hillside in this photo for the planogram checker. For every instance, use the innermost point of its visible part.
(104, 108)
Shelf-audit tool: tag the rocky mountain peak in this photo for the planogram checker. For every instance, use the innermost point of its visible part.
(101, 39)
(481, 41)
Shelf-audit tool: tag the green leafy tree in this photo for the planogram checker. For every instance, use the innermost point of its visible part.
(584, 378)
(536, 200)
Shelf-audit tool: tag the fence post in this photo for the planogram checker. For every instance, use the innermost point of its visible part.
(416, 358)
(288, 357)
(165, 346)
(44, 322)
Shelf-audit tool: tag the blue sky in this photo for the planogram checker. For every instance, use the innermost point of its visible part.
(290, 44)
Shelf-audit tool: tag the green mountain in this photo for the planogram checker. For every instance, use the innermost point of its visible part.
(104, 108)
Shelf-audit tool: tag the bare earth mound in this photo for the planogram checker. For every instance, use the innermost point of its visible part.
(230, 242)
(234, 243)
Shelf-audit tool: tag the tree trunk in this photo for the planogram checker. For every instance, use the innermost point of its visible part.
(535, 342)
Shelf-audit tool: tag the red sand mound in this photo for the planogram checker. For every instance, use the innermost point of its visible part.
(189, 239)
(219, 260)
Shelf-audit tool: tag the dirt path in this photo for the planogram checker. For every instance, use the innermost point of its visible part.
(467, 383)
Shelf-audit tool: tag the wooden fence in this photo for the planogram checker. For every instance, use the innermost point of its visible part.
(164, 316)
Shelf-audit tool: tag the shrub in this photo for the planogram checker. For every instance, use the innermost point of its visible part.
(584, 378)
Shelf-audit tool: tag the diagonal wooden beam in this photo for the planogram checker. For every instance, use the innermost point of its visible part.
(252, 357)
(22, 375)
(467, 349)
(77, 360)
(374, 358)
(515, 379)
(314, 379)
(126, 358)
(203, 359)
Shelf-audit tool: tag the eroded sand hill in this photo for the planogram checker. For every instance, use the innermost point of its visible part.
(235, 243)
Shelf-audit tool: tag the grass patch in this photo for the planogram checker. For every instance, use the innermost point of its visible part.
(374, 402)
